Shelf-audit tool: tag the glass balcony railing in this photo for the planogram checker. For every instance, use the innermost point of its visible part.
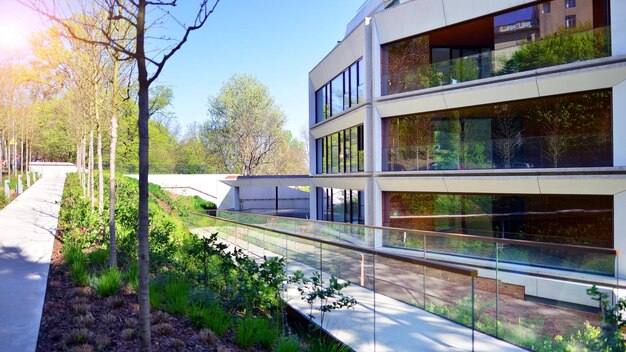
(565, 46)
(406, 269)
(406, 283)
(583, 150)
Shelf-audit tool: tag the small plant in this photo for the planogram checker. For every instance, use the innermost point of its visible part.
(330, 297)
(82, 348)
(115, 301)
(108, 283)
(130, 323)
(288, 344)
(252, 330)
(326, 345)
(158, 317)
(207, 336)
(80, 291)
(128, 334)
(81, 308)
(85, 321)
(163, 329)
(78, 269)
(78, 336)
(109, 319)
(177, 344)
(612, 319)
(102, 341)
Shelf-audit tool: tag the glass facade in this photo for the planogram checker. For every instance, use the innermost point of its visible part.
(342, 92)
(527, 38)
(573, 130)
(341, 152)
(340, 205)
(585, 220)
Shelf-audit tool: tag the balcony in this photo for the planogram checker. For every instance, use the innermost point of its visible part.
(564, 46)
(582, 150)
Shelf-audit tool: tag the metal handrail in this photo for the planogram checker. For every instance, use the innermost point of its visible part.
(545, 245)
(457, 269)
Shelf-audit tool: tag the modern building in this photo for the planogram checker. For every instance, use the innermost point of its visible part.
(503, 119)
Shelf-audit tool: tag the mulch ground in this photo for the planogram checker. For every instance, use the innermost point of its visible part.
(76, 319)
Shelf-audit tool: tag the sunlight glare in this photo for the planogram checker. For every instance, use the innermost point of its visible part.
(12, 36)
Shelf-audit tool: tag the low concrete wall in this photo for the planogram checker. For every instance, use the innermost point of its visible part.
(52, 168)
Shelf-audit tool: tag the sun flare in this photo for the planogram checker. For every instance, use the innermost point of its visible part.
(12, 36)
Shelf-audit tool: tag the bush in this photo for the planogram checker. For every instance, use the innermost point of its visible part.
(108, 283)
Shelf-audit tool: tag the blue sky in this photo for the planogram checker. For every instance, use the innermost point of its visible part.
(278, 41)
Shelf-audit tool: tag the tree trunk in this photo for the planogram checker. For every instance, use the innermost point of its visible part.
(144, 168)
(100, 174)
(90, 174)
(112, 157)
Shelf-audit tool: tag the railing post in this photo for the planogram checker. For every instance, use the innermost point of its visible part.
(473, 322)
(362, 270)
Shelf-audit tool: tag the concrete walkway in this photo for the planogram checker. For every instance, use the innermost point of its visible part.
(27, 228)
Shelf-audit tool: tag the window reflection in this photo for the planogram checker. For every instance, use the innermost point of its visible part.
(567, 219)
(573, 130)
(341, 152)
(340, 205)
(518, 40)
(342, 92)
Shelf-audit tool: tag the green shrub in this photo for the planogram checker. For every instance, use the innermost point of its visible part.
(108, 283)
(287, 344)
(213, 317)
(326, 345)
(72, 253)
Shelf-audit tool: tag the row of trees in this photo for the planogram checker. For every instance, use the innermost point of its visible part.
(91, 83)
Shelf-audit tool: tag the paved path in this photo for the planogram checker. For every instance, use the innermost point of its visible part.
(27, 226)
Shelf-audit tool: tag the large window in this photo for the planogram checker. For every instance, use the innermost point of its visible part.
(342, 92)
(573, 130)
(585, 220)
(340, 205)
(517, 40)
(341, 152)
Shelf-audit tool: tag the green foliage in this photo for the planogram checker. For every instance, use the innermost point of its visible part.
(108, 282)
(612, 319)
(98, 257)
(322, 344)
(288, 344)
(329, 295)
(80, 276)
(176, 295)
(131, 276)
(213, 317)
(252, 330)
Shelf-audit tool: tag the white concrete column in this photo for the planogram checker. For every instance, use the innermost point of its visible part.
(236, 199)
(618, 27)
(619, 231)
(619, 121)
(313, 202)
(375, 50)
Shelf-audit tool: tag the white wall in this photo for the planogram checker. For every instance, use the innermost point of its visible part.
(52, 169)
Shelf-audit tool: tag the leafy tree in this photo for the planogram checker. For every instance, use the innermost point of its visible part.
(244, 126)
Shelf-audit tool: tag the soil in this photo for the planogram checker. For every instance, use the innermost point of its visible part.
(113, 327)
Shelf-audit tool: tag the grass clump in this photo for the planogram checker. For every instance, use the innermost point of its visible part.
(176, 294)
(288, 344)
(213, 317)
(131, 277)
(253, 330)
(98, 257)
(108, 283)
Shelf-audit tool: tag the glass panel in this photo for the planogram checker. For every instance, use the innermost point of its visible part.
(354, 150)
(334, 153)
(361, 82)
(320, 104)
(354, 86)
(347, 150)
(535, 133)
(320, 156)
(360, 146)
(523, 39)
(336, 97)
